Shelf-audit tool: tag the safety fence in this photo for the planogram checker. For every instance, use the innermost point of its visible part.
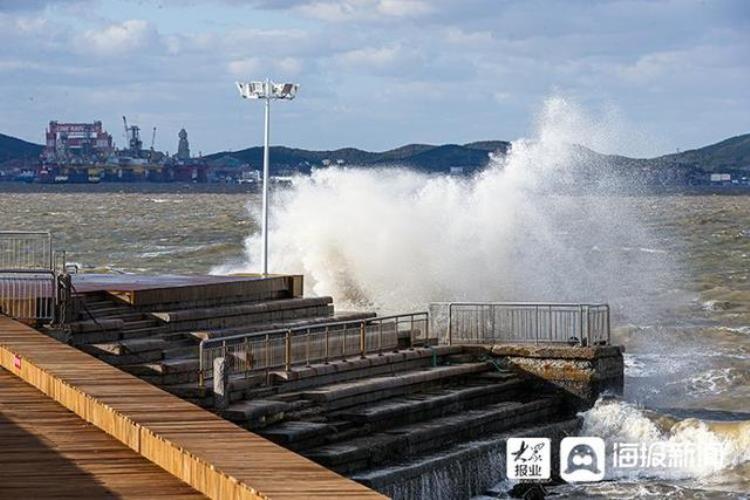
(321, 343)
(30, 286)
(495, 322)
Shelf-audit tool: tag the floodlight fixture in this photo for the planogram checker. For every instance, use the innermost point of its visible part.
(266, 90)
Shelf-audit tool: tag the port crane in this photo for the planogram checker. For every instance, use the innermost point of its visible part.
(153, 141)
(133, 136)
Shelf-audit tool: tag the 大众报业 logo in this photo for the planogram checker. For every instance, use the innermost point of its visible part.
(582, 459)
(528, 458)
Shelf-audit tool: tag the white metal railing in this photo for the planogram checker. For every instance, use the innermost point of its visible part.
(320, 343)
(29, 285)
(491, 322)
(28, 296)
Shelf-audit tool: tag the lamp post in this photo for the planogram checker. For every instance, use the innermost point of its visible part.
(266, 90)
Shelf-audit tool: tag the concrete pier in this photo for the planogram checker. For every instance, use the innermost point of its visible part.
(397, 419)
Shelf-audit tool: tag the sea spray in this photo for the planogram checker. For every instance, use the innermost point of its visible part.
(621, 422)
(393, 239)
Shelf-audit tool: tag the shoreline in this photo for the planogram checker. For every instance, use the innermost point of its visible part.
(128, 187)
(218, 188)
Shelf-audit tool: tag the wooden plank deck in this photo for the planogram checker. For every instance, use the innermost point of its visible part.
(211, 454)
(47, 451)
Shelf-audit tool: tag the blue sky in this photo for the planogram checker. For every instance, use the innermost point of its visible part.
(377, 74)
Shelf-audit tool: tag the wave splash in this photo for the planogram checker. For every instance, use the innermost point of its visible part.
(620, 422)
(393, 239)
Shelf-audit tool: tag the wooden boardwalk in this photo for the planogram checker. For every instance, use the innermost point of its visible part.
(47, 451)
(213, 455)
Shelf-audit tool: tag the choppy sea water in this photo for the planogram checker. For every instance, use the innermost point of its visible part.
(689, 358)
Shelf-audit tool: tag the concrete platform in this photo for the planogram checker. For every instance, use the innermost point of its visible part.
(144, 290)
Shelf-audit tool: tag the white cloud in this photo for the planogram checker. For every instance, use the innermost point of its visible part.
(245, 68)
(289, 66)
(362, 10)
(369, 56)
(117, 39)
(403, 8)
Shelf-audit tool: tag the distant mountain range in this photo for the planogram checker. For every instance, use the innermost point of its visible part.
(731, 156)
(17, 149)
(424, 157)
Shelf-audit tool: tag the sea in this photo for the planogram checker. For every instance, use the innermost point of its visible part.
(673, 267)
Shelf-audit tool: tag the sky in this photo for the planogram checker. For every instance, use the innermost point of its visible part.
(377, 74)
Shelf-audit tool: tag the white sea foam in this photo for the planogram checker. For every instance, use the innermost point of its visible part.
(717, 380)
(621, 422)
(394, 239)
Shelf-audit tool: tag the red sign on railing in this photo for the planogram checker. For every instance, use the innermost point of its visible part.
(17, 362)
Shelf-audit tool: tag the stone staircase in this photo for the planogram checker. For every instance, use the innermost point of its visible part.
(161, 344)
(355, 416)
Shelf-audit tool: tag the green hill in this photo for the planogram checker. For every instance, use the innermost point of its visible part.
(17, 149)
(728, 155)
(426, 157)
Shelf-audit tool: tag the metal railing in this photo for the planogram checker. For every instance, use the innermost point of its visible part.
(320, 343)
(29, 282)
(477, 322)
(25, 251)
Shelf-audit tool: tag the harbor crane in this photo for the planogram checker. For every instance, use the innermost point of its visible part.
(153, 141)
(133, 136)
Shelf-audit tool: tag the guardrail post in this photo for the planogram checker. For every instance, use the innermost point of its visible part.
(201, 370)
(221, 383)
(450, 324)
(609, 339)
(327, 344)
(247, 355)
(267, 356)
(411, 332)
(362, 345)
(581, 327)
(307, 348)
(380, 338)
(288, 351)
(427, 328)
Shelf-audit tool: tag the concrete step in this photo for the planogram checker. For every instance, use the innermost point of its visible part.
(167, 366)
(239, 315)
(149, 331)
(83, 338)
(280, 325)
(112, 310)
(239, 389)
(354, 368)
(405, 441)
(298, 435)
(94, 305)
(181, 349)
(139, 324)
(246, 309)
(415, 407)
(125, 358)
(461, 470)
(256, 413)
(356, 363)
(90, 325)
(369, 390)
(132, 346)
(128, 316)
